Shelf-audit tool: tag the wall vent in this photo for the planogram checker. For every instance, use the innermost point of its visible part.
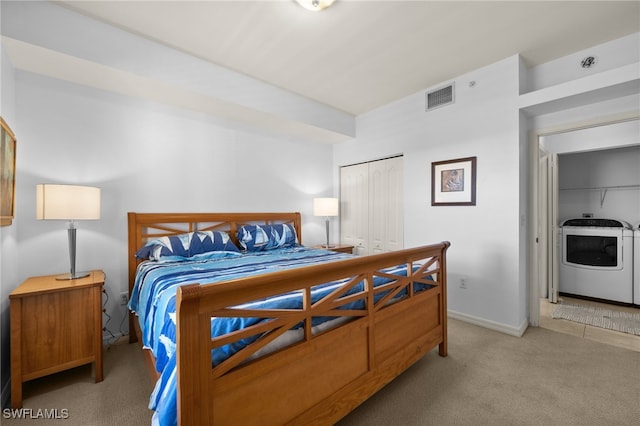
(440, 97)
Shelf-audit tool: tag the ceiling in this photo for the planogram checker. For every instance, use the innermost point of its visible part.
(358, 55)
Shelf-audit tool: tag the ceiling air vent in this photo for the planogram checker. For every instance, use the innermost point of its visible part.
(440, 97)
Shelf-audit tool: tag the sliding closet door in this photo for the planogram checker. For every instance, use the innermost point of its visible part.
(385, 205)
(354, 202)
(371, 217)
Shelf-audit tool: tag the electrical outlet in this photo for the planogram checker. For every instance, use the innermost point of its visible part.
(124, 298)
(463, 283)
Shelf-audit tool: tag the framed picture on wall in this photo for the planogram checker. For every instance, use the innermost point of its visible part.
(7, 173)
(453, 182)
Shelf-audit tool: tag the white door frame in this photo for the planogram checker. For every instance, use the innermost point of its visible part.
(551, 200)
(534, 230)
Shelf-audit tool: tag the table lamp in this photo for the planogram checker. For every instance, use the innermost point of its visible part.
(70, 203)
(326, 207)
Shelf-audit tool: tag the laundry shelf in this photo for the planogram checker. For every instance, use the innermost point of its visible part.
(603, 189)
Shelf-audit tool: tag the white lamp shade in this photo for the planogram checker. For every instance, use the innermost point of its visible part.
(67, 202)
(325, 206)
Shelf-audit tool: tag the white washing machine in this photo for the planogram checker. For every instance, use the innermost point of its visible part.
(597, 259)
(636, 264)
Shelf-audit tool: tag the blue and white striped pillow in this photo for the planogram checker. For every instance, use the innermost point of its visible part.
(267, 237)
(187, 245)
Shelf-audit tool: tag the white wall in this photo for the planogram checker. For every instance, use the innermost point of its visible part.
(568, 68)
(613, 168)
(613, 135)
(485, 239)
(148, 158)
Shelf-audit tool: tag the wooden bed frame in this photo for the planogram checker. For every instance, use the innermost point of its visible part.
(319, 379)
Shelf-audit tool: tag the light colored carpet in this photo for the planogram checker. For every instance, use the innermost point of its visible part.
(121, 399)
(625, 322)
(543, 378)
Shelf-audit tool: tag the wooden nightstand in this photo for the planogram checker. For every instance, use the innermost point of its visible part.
(341, 248)
(55, 325)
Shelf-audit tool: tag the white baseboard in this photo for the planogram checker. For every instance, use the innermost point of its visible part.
(492, 325)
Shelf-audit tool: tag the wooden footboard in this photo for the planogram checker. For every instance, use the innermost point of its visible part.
(325, 373)
(323, 377)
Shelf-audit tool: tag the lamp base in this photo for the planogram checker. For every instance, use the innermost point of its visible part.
(329, 246)
(72, 277)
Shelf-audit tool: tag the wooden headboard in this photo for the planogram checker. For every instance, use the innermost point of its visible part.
(146, 226)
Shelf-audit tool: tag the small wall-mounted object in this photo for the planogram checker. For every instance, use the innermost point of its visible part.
(588, 62)
(440, 97)
(7, 174)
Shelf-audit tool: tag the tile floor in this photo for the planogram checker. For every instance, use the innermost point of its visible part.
(611, 337)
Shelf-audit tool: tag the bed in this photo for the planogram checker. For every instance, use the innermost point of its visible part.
(351, 325)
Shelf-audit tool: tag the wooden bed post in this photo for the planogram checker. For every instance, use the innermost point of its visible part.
(443, 346)
(134, 240)
(191, 335)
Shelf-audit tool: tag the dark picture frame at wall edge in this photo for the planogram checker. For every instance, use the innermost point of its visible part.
(453, 182)
(7, 173)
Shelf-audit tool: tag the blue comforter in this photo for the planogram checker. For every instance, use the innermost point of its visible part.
(153, 299)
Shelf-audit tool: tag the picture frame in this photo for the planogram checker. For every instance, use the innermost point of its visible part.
(7, 173)
(453, 182)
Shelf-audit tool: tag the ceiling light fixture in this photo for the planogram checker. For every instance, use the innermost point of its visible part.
(315, 5)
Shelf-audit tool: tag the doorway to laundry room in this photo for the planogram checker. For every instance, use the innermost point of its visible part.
(589, 177)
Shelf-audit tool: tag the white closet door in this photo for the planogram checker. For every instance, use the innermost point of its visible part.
(395, 205)
(354, 202)
(371, 197)
(385, 205)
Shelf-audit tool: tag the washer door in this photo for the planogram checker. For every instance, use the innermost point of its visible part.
(592, 248)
